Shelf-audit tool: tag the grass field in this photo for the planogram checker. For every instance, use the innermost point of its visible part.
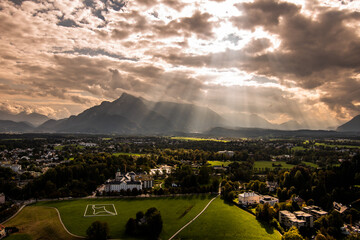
(297, 148)
(60, 147)
(175, 212)
(219, 163)
(128, 154)
(222, 221)
(336, 145)
(199, 139)
(39, 223)
(268, 164)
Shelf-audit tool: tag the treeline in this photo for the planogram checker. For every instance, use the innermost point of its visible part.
(322, 186)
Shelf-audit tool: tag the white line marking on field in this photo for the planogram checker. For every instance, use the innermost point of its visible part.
(96, 213)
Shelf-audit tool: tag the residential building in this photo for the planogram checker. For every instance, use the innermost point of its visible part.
(164, 169)
(316, 211)
(308, 218)
(2, 198)
(227, 153)
(289, 219)
(272, 186)
(249, 198)
(339, 207)
(14, 167)
(268, 199)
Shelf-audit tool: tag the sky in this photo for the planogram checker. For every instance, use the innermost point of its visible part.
(281, 60)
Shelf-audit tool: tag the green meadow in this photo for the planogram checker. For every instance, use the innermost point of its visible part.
(224, 221)
(218, 221)
(175, 212)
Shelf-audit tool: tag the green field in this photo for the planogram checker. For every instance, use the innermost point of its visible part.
(60, 147)
(219, 221)
(268, 164)
(222, 221)
(336, 145)
(128, 154)
(199, 139)
(39, 223)
(175, 212)
(297, 148)
(219, 163)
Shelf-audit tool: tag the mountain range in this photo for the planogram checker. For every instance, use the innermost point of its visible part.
(351, 126)
(130, 115)
(34, 119)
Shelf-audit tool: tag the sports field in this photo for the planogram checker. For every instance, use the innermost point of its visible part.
(223, 221)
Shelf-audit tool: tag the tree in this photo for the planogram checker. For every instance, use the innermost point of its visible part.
(130, 228)
(154, 222)
(320, 236)
(292, 234)
(97, 231)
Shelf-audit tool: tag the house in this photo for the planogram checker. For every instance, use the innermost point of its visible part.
(289, 219)
(339, 207)
(249, 198)
(272, 186)
(316, 211)
(268, 199)
(2, 198)
(14, 167)
(227, 153)
(164, 169)
(2, 232)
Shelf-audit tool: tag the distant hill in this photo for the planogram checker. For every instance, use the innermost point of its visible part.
(35, 119)
(289, 125)
(132, 115)
(351, 126)
(7, 126)
(259, 132)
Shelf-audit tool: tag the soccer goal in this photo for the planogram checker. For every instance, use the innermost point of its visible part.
(100, 210)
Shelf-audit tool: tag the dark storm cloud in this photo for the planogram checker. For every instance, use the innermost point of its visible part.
(199, 24)
(67, 23)
(263, 13)
(257, 45)
(17, 2)
(314, 52)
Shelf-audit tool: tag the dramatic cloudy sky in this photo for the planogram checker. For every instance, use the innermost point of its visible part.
(281, 60)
